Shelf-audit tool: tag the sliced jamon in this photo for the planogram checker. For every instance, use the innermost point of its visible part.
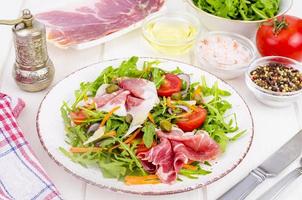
(142, 100)
(162, 157)
(106, 102)
(117, 101)
(105, 98)
(95, 19)
(136, 97)
(176, 149)
(133, 102)
(200, 142)
(140, 88)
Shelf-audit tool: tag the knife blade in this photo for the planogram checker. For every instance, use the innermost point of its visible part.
(271, 167)
(283, 156)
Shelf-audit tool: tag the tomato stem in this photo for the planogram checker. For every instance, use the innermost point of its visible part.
(279, 25)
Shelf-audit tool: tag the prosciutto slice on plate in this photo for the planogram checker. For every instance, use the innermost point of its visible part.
(142, 100)
(176, 149)
(106, 102)
(202, 145)
(136, 97)
(95, 19)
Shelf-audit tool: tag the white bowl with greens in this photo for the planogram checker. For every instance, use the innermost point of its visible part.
(237, 16)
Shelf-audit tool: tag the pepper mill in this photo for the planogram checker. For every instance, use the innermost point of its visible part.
(33, 70)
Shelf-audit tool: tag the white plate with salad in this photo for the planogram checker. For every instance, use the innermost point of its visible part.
(145, 126)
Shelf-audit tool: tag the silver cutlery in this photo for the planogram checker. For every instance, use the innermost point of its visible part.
(271, 167)
(275, 190)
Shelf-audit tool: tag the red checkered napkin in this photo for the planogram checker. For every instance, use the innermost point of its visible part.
(21, 174)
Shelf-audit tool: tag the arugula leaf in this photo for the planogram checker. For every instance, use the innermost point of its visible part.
(132, 155)
(191, 173)
(80, 94)
(106, 142)
(149, 133)
(176, 71)
(240, 9)
(122, 129)
(129, 68)
(64, 113)
(207, 163)
(117, 124)
(198, 171)
(157, 76)
(112, 169)
(237, 136)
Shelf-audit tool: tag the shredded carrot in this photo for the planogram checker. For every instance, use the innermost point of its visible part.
(190, 162)
(133, 136)
(108, 115)
(78, 121)
(192, 107)
(110, 134)
(151, 118)
(85, 149)
(152, 176)
(114, 147)
(184, 115)
(139, 180)
(190, 167)
(129, 140)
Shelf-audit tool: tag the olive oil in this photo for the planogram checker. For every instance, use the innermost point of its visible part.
(171, 35)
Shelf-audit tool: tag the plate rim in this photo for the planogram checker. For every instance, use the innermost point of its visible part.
(168, 192)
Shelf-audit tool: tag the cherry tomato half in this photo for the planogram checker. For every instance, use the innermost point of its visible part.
(170, 85)
(193, 120)
(77, 117)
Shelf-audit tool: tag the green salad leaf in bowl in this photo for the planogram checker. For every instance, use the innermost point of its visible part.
(247, 10)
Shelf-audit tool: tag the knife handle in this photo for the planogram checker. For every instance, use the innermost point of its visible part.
(242, 189)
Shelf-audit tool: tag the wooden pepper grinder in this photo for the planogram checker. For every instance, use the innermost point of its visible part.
(33, 70)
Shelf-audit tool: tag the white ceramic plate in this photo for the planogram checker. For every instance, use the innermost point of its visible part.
(52, 136)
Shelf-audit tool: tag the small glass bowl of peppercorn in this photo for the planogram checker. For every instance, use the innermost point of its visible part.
(275, 80)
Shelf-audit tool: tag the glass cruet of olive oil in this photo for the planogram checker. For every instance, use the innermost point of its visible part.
(171, 33)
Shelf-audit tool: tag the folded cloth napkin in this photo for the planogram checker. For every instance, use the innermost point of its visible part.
(21, 174)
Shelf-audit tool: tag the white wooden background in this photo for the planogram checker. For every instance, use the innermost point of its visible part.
(273, 126)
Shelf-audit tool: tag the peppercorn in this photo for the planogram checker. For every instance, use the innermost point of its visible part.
(277, 77)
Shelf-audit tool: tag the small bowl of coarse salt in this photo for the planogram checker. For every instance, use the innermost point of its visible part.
(227, 55)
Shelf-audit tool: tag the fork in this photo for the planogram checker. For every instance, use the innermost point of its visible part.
(275, 190)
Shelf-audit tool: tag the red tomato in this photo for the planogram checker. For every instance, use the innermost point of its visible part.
(170, 85)
(78, 117)
(193, 120)
(286, 41)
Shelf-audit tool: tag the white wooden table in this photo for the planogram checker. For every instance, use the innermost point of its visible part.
(273, 126)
